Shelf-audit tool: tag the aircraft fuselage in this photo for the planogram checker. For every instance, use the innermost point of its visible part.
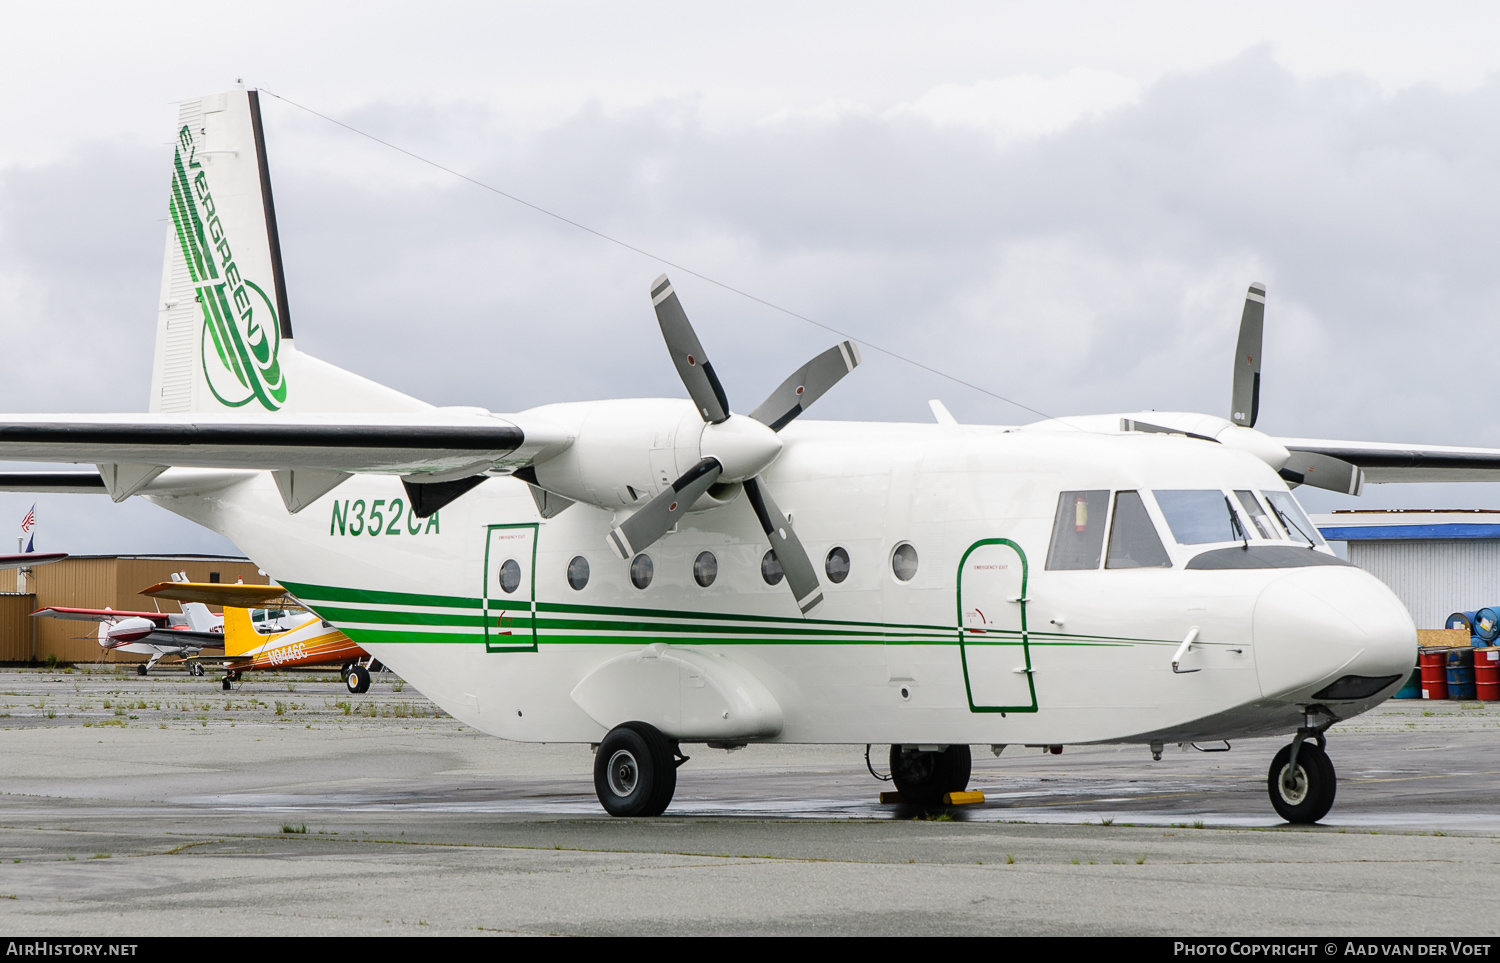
(983, 643)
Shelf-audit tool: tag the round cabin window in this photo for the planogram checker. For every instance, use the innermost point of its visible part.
(904, 562)
(641, 571)
(705, 569)
(578, 573)
(837, 565)
(770, 568)
(510, 576)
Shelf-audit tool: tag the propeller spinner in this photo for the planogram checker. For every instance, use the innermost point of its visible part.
(736, 448)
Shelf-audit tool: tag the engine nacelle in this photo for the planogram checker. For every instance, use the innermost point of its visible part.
(626, 452)
(126, 631)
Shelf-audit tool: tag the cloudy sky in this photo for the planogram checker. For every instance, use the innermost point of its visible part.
(1060, 203)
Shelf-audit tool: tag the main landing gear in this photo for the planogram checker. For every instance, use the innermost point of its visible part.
(635, 770)
(230, 678)
(924, 776)
(1302, 781)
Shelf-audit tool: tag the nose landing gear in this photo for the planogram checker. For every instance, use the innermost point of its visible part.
(1302, 781)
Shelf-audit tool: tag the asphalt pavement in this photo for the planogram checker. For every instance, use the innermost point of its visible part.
(164, 805)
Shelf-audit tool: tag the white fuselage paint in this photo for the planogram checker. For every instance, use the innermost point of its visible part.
(889, 668)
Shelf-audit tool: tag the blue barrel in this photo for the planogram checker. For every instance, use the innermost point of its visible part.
(1461, 674)
(1487, 624)
(1413, 687)
(1460, 620)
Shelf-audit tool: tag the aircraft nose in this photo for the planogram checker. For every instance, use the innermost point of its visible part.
(1314, 627)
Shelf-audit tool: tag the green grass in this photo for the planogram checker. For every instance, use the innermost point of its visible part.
(300, 830)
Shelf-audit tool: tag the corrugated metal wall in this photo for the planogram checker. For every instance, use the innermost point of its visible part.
(15, 626)
(96, 583)
(1434, 577)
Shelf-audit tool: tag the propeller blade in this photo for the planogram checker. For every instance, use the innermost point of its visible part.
(801, 576)
(1324, 471)
(687, 354)
(657, 516)
(1244, 404)
(806, 385)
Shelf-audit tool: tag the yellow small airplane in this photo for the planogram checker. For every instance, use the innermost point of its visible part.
(264, 628)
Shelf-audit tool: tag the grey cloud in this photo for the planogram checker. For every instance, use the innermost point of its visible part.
(1100, 268)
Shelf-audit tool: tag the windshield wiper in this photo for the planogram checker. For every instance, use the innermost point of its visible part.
(1292, 525)
(1234, 521)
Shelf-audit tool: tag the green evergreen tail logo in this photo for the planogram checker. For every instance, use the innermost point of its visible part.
(241, 333)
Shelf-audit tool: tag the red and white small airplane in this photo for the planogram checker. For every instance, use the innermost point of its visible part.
(155, 634)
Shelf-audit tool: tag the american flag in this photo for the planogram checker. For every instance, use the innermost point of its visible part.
(28, 526)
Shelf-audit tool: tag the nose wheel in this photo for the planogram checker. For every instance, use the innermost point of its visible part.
(358, 680)
(1302, 788)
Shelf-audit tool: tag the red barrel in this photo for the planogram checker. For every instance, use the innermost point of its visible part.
(1434, 666)
(1487, 674)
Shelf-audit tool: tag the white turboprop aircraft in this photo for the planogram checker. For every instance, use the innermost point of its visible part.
(618, 573)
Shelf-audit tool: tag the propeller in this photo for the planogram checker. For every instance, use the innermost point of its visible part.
(1244, 404)
(1304, 468)
(736, 448)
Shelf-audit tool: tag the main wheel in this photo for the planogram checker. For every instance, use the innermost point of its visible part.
(358, 679)
(924, 777)
(140, 669)
(1303, 795)
(196, 669)
(634, 771)
(227, 684)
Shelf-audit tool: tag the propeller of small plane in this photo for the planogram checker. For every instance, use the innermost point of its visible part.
(736, 448)
(1305, 467)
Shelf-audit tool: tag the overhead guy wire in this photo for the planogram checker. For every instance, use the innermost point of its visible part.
(655, 257)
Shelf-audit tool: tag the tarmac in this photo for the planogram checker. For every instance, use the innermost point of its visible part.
(162, 805)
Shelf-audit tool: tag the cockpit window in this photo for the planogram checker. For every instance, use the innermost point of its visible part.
(269, 621)
(1258, 517)
(1078, 530)
(1196, 517)
(1133, 542)
(1299, 528)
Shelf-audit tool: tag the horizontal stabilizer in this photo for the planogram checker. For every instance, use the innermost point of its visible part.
(53, 482)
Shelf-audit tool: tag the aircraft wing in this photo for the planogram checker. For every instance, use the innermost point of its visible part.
(100, 615)
(1384, 462)
(424, 443)
(216, 593)
(28, 559)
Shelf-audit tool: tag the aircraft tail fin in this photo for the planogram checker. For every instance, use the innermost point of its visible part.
(239, 633)
(224, 327)
(200, 619)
